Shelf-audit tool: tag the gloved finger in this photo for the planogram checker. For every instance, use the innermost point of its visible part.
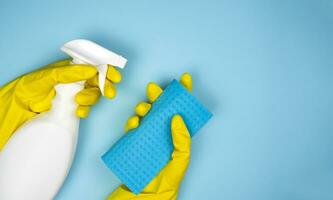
(175, 170)
(153, 91)
(142, 108)
(93, 82)
(113, 74)
(132, 123)
(88, 96)
(44, 103)
(181, 138)
(73, 73)
(110, 90)
(82, 111)
(186, 81)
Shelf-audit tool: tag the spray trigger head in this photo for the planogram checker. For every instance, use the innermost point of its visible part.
(87, 52)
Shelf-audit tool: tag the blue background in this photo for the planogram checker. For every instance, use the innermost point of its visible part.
(263, 67)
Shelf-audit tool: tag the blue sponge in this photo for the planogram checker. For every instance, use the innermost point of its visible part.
(143, 152)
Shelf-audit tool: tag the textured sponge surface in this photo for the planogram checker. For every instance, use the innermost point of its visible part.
(140, 155)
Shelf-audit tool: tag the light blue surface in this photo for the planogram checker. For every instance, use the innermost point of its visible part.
(263, 67)
(142, 153)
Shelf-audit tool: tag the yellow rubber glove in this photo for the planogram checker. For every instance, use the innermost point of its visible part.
(31, 94)
(166, 184)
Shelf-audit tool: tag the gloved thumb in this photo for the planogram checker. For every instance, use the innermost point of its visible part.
(181, 139)
(176, 168)
(73, 73)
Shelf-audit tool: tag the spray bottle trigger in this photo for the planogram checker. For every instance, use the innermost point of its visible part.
(102, 71)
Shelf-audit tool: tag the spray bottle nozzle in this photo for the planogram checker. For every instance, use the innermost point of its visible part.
(87, 52)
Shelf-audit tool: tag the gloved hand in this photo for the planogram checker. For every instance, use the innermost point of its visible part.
(166, 184)
(31, 94)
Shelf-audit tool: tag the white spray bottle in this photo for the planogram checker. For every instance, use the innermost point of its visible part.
(37, 159)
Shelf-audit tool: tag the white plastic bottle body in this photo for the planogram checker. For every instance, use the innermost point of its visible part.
(37, 158)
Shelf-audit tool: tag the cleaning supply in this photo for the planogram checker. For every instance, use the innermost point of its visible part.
(142, 153)
(37, 158)
(165, 185)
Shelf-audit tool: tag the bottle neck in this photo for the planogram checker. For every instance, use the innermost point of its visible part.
(64, 106)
